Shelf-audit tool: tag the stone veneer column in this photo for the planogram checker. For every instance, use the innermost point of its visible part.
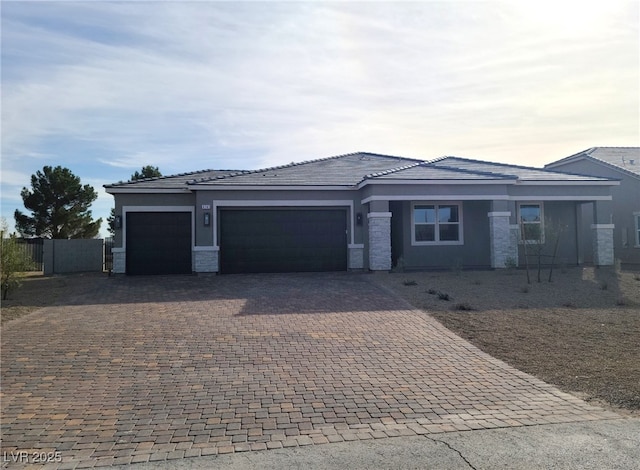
(379, 241)
(501, 239)
(206, 259)
(119, 261)
(603, 244)
(356, 257)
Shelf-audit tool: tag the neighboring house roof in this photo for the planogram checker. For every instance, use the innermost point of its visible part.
(351, 170)
(624, 159)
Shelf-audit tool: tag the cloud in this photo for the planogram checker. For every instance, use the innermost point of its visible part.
(107, 87)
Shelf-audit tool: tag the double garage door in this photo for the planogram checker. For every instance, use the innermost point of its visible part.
(251, 241)
(284, 240)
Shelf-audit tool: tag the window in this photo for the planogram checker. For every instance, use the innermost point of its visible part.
(437, 224)
(636, 218)
(531, 219)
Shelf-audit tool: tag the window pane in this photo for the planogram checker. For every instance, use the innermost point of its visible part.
(425, 233)
(530, 213)
(447, 213)
(449, 232)
(424, 214)
(532, 231)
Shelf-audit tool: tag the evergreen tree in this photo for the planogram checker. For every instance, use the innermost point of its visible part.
(59, 206)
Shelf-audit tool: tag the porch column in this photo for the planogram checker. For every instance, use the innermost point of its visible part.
(602, 234)
(503, 239)
(380, 240)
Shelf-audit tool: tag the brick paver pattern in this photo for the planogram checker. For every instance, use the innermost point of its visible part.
(141, 369)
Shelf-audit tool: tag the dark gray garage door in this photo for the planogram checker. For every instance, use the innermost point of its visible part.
(297, 240)
(158, 243)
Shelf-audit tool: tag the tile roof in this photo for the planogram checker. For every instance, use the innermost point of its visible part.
(625, 159)
(342, 170)
(522, 173)
(171, 181)
(350, 170)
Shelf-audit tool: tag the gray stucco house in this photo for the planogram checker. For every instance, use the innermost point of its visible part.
(353, 212)
(621, 163)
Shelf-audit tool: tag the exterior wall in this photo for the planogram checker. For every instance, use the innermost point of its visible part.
(626, 201)
(73, 256)
(474, 253)
(559, 221)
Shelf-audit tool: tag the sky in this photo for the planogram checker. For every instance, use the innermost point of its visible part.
(105, 88)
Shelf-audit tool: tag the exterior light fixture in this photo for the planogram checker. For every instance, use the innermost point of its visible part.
(207, 219)
(117, 221)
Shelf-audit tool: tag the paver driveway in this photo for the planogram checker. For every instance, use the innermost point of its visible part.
(153, 368)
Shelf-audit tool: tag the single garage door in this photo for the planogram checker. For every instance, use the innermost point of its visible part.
(158, 242)
(296, 240)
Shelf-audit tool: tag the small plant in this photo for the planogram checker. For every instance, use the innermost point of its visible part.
(604, 285)
(399, 267)
(463, 307)
(432, 292)
(617, 266)
(569, 305)
(510, 263)
(620, 301)
(636, 277)
(409, 282)
(524, 289)
(444, 296)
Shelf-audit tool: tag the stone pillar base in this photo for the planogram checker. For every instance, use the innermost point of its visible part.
(356, 257)
(503, 250)
(603, 244)
(206, 259)
(119, 261)
(379, 241)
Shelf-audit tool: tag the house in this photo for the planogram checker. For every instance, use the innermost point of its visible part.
(359, 211)
(622, 163)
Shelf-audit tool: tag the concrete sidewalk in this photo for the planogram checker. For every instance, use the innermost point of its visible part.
(611, 444)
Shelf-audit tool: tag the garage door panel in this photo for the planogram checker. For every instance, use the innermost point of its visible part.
(283, 240)
(158, 242)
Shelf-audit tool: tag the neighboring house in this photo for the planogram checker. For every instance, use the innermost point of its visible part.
(352, 212)
(622, 163)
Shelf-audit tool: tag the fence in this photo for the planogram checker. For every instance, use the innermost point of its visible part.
(32, 249)
(72, 260)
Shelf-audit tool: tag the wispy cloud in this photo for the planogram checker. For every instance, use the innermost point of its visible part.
(106, 88)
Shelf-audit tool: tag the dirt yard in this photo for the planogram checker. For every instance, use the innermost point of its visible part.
(581, 332)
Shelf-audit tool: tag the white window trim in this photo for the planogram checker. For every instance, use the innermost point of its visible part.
(636, 232)
(542, 228)
(460, 240)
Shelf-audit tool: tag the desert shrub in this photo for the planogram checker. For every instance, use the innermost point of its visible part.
(510, 263)
(432, 292)
(463, 307)
(444, 296)
(409, 282)
(604, 285)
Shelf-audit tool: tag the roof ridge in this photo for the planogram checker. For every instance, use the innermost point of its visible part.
(294, 164)
(466, 170)
(271, 168)
(522, 167)
(390, 171)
